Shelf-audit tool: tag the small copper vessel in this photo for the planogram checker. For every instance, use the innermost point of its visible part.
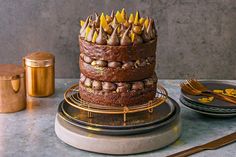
(40, 73)
(12, 88)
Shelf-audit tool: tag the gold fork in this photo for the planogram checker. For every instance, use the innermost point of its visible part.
(193, 91)
(199, 86)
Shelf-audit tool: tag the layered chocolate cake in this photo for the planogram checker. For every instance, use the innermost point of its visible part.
(117, 59)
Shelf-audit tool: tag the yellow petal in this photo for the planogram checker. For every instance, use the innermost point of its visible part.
(131, 18)
(87, 32)
(95, 35)
(230, 91)
(103, 21)
(218, 91)
(206, 100)
(146, 23)
(136, 20)
(132, 37)
(108, 19)
(81, 23)
(119, 17)
(141, 20)
(123, 13)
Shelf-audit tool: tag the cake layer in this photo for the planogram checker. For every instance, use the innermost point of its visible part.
(117, 71)
(133, 97)
(117, 94)
(118, 53)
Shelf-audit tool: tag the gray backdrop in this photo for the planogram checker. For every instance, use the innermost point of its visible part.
(197, 38)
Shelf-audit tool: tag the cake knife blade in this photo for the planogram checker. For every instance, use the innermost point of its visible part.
(208, 146)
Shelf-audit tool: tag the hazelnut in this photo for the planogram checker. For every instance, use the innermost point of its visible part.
(97, 85)
(137, 30)
(138, 85)
(87, 59)
(88, 82)
(123, 87)
(82, 78)
(148, 82)
(114, 64)
(109, 86)
(101, 63)
(128, 65)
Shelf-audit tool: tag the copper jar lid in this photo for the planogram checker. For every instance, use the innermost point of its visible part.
(39, 59)
(11, 71)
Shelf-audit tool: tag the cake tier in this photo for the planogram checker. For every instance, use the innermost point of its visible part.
(118, 53)
(117, 94)
(114, 71)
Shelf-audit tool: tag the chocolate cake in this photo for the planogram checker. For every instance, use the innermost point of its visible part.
(117, 59)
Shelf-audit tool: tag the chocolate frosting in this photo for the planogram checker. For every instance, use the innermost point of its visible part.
(97, 20)
(151, 30)
(83, 28)
(114, 23)
(137, 40)
(101, 39)
(112, 14)
(125, 39)
(90, 34)
(145, 35)
(114, 39)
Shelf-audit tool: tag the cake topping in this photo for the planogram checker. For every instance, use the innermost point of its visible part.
(113, 40)
(112, 14)
(114, 64)
(136, 20)
(150, 31)
(119, 87)
(97, 85)
(97, 20)
(101, 39)
(128, 65)
(90, 34)
(114, 23)
(131, 18)
(88, 82)
(109, 86)
(84, 25)
(125, 39)
(117, 29)
(101, 63)
(138, 85)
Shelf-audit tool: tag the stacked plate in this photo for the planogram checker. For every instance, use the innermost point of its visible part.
(141, 122)
(218, 108)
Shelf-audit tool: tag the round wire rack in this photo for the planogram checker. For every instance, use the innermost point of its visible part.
(72, 97)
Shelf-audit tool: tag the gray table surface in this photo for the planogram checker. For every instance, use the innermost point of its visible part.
(31, 132)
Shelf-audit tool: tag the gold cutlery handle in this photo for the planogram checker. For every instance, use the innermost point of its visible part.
(188, 152)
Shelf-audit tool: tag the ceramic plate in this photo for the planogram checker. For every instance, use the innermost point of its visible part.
(159, 114)
(205, 107)
(205, 111)
(216, 102)
(122, 130)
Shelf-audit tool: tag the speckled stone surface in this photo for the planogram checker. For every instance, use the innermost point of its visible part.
(31, 132)
(196, 37)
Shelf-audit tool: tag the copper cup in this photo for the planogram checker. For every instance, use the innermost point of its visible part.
(40, 74)
(12, 88)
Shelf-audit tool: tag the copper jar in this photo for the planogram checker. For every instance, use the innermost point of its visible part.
(12, 88)
(40, 73)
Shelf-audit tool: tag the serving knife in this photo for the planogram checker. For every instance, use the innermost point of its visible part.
(208, 146)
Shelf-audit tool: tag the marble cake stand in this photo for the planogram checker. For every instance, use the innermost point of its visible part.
(131, 144)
